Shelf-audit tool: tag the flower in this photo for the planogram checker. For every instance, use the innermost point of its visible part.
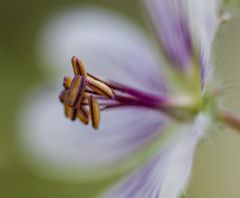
(158, 117)
(63, 149)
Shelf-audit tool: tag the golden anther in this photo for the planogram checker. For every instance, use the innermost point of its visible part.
(73, 114)
(62, 96)
(67, 82)
(76, 91)
(78, 67)
(83, 115)
(85, 98)
(94, 112)
(69, 112)
(100, 87)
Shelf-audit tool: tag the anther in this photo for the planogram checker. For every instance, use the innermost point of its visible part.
(94, 112)
(73, 114)
(83, 115)
(85, 98)
(70, 112)
(100, 87)
(76, 91)
(67, 82)
(78, 67)
(62, 96)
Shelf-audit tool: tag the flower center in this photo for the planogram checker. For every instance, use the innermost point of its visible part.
(86, 95)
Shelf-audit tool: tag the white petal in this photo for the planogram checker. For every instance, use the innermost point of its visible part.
(67, 149)
(167, 173)
(177, 20)
(171, 23)
(204, 20)
(108, 43)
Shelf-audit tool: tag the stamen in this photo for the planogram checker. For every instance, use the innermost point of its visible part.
(70, 112)
(78, 67)
(94, 112)
(83, 115)
(73, 114)
(100, 87)
(76, 91)
(67, 82)
(62, 96)
(82, 93)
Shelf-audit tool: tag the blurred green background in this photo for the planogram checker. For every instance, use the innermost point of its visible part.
(217, 167)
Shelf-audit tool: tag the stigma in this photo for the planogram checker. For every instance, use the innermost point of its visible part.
(85, 96)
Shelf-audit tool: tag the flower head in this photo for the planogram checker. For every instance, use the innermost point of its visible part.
(185, 30)
(131, 101)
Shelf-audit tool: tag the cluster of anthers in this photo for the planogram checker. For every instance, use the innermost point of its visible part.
(84, 96)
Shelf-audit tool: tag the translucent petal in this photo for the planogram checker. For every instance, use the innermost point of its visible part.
(184, 26)
(68, 149)
(167, 173)
(204, 17)
(204, 26)
(109, 44)
(170, 21)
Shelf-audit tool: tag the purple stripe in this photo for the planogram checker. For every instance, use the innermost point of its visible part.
(171, 23)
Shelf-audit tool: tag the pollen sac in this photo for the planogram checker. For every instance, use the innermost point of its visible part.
(76, 91)
(83, 115)
(62, 96)
(73, 114)
(78, 67)
(85, 98)
(67, 82)
(70, 112)
(94, 112)
(100, 87)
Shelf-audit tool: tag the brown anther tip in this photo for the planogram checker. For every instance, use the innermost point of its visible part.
(74, 59)
(67, 82)
(94, 112)
(78, 67)
(70, 113)
(62, 96)
(83, 115)
(73, 114)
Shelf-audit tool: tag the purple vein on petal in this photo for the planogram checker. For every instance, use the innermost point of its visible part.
(167, 172)
(170, 20)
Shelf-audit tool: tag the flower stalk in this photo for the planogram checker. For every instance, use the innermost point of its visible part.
(230, 119)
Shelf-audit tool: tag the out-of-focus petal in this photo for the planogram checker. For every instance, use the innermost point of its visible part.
(184, 26)
(170, 20)
(204, 19)
(108, 44)
(167, 173)
(204, 22)
(68, 149)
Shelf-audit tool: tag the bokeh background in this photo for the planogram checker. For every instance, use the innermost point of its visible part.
(217, 166)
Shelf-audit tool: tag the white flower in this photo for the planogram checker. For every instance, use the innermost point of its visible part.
(115, 48)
